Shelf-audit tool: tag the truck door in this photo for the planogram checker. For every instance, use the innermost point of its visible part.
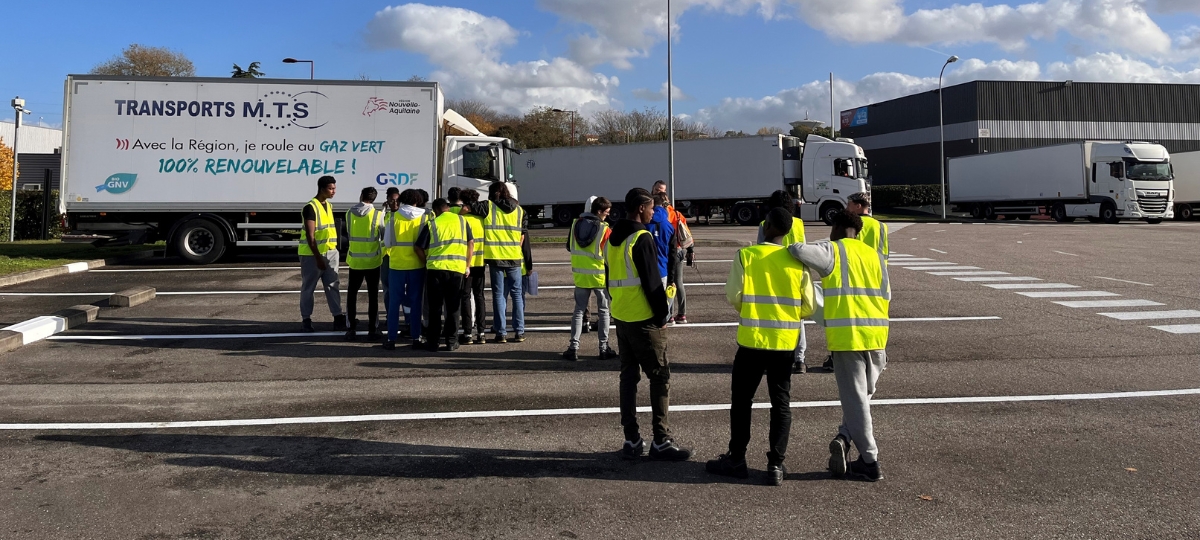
(1109, 181)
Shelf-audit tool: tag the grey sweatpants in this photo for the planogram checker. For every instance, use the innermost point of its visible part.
(856, 373)
(582, 297)
(309, 274)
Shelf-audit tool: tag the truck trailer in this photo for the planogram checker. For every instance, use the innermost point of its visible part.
(1186, 168)
(732, 175)
(210, 164)
(1101, 181)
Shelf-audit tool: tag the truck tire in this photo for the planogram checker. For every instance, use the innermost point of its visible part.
(977, 211)
(989, 212)
(199, 241)
(1108, 213)
(828, 210)
(1154, 221)
(564, 214)
(617, 213)
(1058, 213)
(1183, 212)
(746, 214)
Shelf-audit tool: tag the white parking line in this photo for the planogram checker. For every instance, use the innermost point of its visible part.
(1067, 294)
(971, 273)
(937, 251)
(1145, 315)
(943, 267)
(1179, 328)
(1065, 253)
(318, 291)
(1031, 286)
(920, 263)
(456, 415)
(915, 260)
(998, 278)
(1125, 281)
(1107, 303)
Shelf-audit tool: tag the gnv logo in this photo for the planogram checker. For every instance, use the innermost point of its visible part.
(118, 183)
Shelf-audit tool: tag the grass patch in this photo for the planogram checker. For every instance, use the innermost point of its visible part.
(548, 239)
(37, 254)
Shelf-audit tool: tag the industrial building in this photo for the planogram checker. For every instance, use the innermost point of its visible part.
(40, 155)
(901, 136)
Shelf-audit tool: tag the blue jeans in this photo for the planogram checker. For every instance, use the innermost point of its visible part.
(405, 288)
(507, 282)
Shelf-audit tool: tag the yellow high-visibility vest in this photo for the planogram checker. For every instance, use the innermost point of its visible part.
(476, 224)
(774, 289)
(794, 236)
(447, 244)
(587, 263)
(874, 234)
(629, 302)
(325, 232)
(857, 298)
(401, 255)
(365, 250)
(502, 234)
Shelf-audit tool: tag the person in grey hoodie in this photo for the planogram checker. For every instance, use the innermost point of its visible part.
(586, 243)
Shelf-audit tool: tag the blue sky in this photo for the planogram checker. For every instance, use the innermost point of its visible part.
(740, 64)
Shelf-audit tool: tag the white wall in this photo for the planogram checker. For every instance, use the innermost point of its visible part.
(34, 140)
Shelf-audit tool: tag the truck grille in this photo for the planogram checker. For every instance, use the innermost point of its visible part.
(1153, 205)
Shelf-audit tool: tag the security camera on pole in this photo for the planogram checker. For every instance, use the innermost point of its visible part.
(18, 105)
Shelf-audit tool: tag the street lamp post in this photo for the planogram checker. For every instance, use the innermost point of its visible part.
(670, 114)
(942, 134)
(311, 65)
(18, 106)
(572, 113)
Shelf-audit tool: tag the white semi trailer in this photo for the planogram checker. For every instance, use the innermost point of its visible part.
(731, 175)
(1186, 167)
(209, 164)
(1101, 181)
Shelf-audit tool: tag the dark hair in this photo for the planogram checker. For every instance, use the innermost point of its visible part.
(658, 183)
(860, 198)
(325, 181)
(424, 196)
(453, 194)
(660, 199)
(393, 191)
(410, 197)
(440, 204)
(636, 198)
(368, 194)
(780, 199)
(497, 191)
(601, 204)
(469, 196)
(779, 220)
(847, 220)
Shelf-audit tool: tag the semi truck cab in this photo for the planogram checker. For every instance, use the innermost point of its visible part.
(1129, 180)
(475, 162)
(832, 170)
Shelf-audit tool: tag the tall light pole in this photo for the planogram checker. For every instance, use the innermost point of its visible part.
(942, 132)
(670, 114)
(311, 65)
(18, 105)
(572, 113)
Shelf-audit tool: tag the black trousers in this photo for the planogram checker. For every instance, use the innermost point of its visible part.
(472, 320)
(357, 277)
(443, 292)
(644, 349)
(749, 365)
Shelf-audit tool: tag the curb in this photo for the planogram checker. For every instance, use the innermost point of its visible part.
(39, 328)
(71, 268)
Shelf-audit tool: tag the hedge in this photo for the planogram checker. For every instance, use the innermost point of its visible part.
(29, 215)
(905, 195)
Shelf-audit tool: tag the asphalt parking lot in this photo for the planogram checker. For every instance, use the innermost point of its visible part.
(1042, 383)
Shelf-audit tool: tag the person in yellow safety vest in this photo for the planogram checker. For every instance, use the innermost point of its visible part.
(857, 298)
(874, 233)
(319, 255)
(586, 241)
(473, 311)
(639, 305)
(364, 224)
(504, 230)
(391, 203)
(773, 293)
(406, 270)
(445, 244)
(783, 199)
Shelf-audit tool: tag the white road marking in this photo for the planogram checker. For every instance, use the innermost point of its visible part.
(1179, 328)
(1125, 281)
(1031, 286)
(907, 260)
(938, 251)
(456, 415)
(1065, 253)
(900, 255)
(292, 268)
(1067, 294)
(1144, 315)
(998, 278)
(1108, 303)
(943, 267)
(76, 267)
(921, 263)
(58, 294)
(318, 291)
(971, 273)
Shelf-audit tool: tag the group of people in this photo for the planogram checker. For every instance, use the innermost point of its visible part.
(633, 269)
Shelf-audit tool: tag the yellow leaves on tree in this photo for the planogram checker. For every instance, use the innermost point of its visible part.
(6, 167)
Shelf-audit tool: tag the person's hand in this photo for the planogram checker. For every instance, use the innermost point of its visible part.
(320, 262)
(691, 256)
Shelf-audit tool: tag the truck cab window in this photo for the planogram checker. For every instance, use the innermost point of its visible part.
(1116, 170)
(1141, 170)
(841, 167)
(479, 162)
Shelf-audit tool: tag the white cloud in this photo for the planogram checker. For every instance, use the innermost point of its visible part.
(1111, 67)
(660, 94)
(1175, 6)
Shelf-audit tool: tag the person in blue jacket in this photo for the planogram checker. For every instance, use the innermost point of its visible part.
(662, 230)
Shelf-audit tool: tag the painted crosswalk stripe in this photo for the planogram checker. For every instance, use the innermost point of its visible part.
(971, 273)
(1067, 294)
(943, 268)
(1146, 315)
(998, 278)
(908, 260)
(921, 263)
(1108, 303)
(1179, 328)
(1031, 285)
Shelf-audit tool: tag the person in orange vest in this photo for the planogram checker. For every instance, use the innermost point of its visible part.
(683, 254)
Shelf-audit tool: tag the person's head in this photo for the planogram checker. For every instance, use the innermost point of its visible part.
(498, 191)
(660, 199)
(639, 205)
(659, 187)
(468, 196)
(424, 197)
(368, 195)
(453, 195)
(411, 197)
(777, 224)
(601, 206)
(859, 204)
(392, 201)
(846, 224)
(440, 205)
(326, 187)
(780, 199)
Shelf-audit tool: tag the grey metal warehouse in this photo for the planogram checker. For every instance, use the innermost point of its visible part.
(900, 136)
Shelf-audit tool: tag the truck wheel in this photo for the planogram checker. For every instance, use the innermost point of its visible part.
(1108, 213)
(828, 211)
(1058, 213)
(745, 214)
(989, 212)
(977, 211)
(564, 214)
(617, 213)
(199, 241)
(1154, 221)
(1183, 212)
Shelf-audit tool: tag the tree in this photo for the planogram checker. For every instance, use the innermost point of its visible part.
(417, 78)
(251, 73)
(142, 61)
(803, 132)
(6, 169)
(769, 130)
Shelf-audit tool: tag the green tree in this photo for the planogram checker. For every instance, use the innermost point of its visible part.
(141, 61)
(804, 131)
(251, 72)
(6, 169)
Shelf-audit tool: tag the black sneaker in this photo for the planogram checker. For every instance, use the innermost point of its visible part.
(451, 344)
(389, 345)
(479, 339)
(633, 449)
(608, 354)
(775, 474)
(520, 338)
(464, 339)
(500, 339)
(865, 471)
(839, 456)
(571, 354)
(339, 322)
(828, 365)
(726, 465)
(307, 326)
(669, 451)
(799, 368)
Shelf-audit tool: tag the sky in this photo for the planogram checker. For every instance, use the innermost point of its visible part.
(738, 64)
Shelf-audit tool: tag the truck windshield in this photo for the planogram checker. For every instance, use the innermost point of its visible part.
(480, 162)
(1141, 170)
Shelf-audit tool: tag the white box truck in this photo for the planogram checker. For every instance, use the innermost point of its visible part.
(1186, 168)
(1101, 181)
(209, 164)
(732, 175)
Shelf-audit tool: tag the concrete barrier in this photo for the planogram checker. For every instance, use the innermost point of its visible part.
(10, 340)
(39, 328)
(132, 297)
(78, 315)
